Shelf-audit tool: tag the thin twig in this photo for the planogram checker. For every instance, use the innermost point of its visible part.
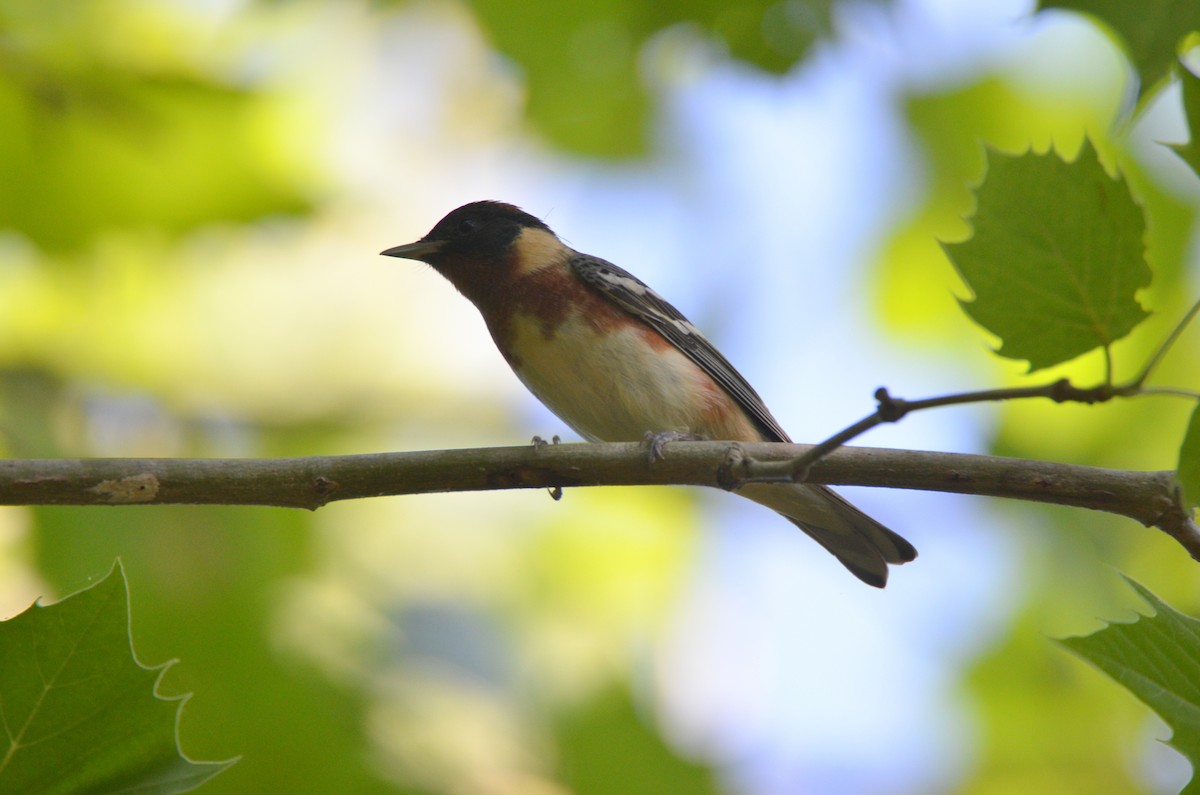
(1170, 391)
(893, 409)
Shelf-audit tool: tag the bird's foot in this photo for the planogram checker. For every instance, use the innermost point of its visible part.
(538, 443)
(658, 441)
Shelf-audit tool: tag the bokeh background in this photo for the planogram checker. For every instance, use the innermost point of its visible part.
(192, 197)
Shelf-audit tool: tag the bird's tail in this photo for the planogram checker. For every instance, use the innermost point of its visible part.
(863, 545)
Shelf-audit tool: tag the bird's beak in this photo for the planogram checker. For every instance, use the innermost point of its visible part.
(418, 251)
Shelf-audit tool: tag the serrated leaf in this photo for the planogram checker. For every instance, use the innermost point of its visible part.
(79, 712)
(1187, 474)
(1157, 658)
(1150, 29)
(1056, 258)
(1190, 152)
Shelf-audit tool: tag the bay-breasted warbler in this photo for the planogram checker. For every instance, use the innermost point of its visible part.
(615, 361)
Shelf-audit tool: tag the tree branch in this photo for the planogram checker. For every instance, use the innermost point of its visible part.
(1149, 497)
(894, 409)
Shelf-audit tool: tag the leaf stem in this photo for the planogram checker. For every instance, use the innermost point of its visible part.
(1170, 391)
(1154, 361)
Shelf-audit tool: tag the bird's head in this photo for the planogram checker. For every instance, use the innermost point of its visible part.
(476, 242)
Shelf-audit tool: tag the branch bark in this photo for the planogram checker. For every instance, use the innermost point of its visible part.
(1148, 497)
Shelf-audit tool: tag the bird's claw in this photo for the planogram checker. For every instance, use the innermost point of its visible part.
(538, 443)
(659, 441)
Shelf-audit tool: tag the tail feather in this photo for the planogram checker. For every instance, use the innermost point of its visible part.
(863, 545)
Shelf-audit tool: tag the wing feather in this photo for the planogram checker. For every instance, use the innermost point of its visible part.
(631, 294)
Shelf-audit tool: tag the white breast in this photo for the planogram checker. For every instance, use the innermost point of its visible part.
(612, 385)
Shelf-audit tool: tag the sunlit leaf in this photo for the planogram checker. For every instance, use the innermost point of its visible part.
(1157, 658)
(80, 713)
(1150, 29)
(1056, 257)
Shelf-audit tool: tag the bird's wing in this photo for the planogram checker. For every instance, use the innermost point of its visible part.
(631, 294)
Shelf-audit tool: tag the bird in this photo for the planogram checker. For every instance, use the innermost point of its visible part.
(617, 363)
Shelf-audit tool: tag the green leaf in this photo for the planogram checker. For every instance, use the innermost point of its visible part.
(80, 713)
(1190, 152)
(1157, 658)
(1187, 475)
(1150, 29)
(1056, 257)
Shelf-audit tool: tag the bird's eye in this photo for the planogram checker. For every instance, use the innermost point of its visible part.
(468, 225)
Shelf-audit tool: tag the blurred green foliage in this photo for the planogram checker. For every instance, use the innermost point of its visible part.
(584, 64)
(606, 741)
(102, 130)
